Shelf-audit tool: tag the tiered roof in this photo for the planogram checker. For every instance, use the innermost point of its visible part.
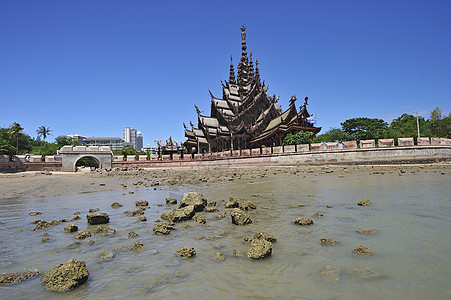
(245, 112)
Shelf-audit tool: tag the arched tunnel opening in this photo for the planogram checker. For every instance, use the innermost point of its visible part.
(86, 162)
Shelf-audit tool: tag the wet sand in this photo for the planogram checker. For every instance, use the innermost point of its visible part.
(25, 185)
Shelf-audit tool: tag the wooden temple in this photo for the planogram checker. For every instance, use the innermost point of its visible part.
(246, 116)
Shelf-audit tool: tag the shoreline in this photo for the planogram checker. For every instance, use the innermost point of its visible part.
(25, 185)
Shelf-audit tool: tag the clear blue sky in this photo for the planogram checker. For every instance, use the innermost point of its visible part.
(95, 67)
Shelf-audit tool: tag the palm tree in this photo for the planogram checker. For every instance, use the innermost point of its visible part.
(15, 130)
(43, 132)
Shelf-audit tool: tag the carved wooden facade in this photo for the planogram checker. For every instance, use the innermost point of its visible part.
(246, 115)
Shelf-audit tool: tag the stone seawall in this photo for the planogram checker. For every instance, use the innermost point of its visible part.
(395, 155)
(406, 155)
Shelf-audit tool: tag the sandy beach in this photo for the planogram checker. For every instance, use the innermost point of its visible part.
(407, 211)
(47, 184)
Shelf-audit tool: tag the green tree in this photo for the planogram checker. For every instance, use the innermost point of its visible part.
(406, 126)
(333, 135)
(6, 147)
(43, 132)
(436, 114)
(441, 127)
(63, 140)
(365, 128)
(302, 137)
(15, 130)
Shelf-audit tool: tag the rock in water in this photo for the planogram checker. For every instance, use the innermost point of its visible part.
(65, 277)
(239, 217)
(105, 256)
(13, 278)
(70, 228)
(232, 203)
(179, 214)
(364, 202)
(163, 228)
(137, 246)
(248, 205)
(171, 201)
(303, 221)
(366, 230)
(82, 234)
(259, 248)
(199, 219)
(142, 203)
(105, 230)
(195, 199)
(265, 236)
(211, 209)
(97, 218)
(361, 250)
(186, 252)
(116, 205)
(327, 241)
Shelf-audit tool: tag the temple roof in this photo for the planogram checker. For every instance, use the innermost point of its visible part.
(246, 112)
(277, 121)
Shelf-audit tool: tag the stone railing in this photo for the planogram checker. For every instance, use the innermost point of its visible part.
(70, 149)
(292, 149)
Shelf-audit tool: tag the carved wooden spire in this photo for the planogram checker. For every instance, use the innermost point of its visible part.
(232, 72)
(251, 66)
(257, 71)
(243, 66)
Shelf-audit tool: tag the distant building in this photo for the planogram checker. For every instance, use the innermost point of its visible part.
(134, 137)
(152, 150)
(139, 141)
(116, 143)
(77, 136)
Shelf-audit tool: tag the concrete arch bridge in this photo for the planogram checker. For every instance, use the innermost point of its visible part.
(71, 155)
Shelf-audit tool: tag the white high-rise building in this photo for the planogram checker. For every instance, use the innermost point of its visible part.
(130, 136)
(139, 141)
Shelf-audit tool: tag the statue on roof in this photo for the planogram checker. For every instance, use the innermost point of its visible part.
(293, 100)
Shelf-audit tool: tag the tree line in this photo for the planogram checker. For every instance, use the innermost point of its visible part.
(363, 128)
(14, 141)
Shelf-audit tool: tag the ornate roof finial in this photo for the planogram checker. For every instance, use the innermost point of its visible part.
(251, 65)
(243, 66)
(191, 124)
(243, 32)
(184, 125)
(232, 72)
(257, 71)
(243, 43)
(293, 100)
(305, 101)
(197, 109)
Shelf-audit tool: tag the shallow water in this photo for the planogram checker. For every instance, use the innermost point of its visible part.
(410, 246)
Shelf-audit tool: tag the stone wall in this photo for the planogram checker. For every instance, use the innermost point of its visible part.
(434, 149)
